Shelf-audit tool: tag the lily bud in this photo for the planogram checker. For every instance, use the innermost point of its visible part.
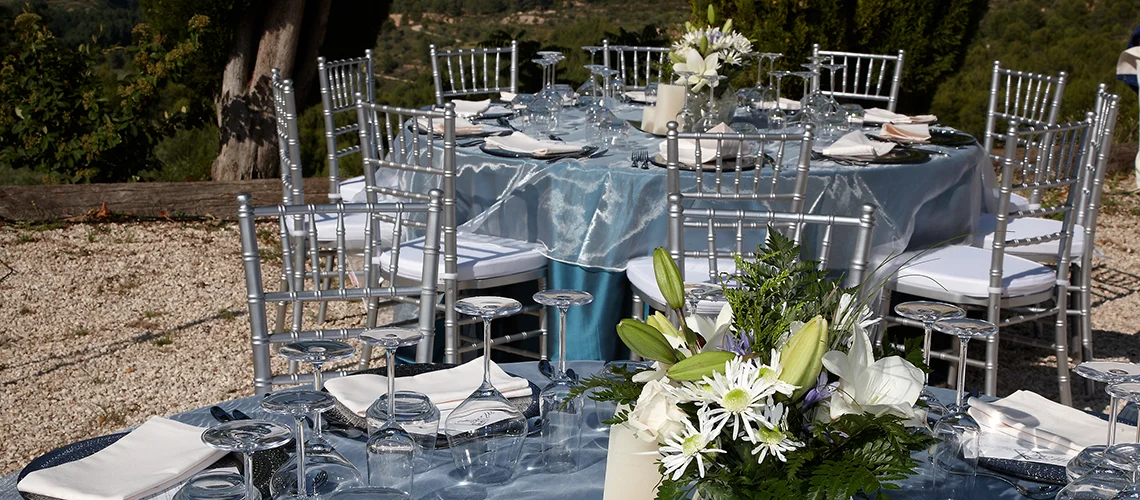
(712, 15)
(699, 366)
(704, 45)
(727, 26)
(662, 324)
(668, 278)
(646, 341)
(802, 356)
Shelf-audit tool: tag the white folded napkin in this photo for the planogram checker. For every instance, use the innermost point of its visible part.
(522, 143)
(151, 458)
(639, 96)
(497, 109)
(906, 132)
(785, 103)
(880, 115)
(687, 148)
(507, 96)
(470, 108)
(463, 126)
(1037, 422)
(856, 145)
(446, 388)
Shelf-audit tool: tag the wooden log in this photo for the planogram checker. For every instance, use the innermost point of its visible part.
(211, 199)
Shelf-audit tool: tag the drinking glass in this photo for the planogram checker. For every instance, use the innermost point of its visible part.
(710, 115)
(417, 415)
(1127, 455)
(306, 479)
(245, 437)
(854, 114)
(958, 433)
(777, 118)
(486, 431)
(1114, 477)
(592, 49)
(696, 291)
(561, 414)
(929, 312)
(1109, 372)
(217, 485)
(688, 117)
(612, 131)
(391, 450)
(608, 88)
(317, 353)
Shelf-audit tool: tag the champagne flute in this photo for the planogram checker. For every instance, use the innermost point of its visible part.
(1109, 372)
(299, 404)
(928, 312)
(561, 414)
(246, 437)
(391, 449)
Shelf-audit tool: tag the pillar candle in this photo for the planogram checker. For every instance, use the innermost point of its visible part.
(670, 101)
(647, 116)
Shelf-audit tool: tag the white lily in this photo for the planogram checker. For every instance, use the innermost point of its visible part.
(698, 65)
(850, 317)
(713, 331)
(888, 385)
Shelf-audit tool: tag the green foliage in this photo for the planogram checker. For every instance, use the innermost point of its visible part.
(617, 386)
(59, 118)
(934, 34)
(186, 155)
(78, 22)
(1080, 38)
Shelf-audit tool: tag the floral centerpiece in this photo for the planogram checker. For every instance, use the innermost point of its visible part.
(781, 396)
(703, 50)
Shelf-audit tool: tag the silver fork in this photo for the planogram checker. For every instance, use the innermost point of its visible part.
(633, 157)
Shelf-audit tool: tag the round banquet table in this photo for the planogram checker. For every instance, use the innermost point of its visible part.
(440, 483)
(590, 216)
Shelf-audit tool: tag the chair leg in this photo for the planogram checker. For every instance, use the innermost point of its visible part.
(1084, 302)
(991, 366)
(325, 284)
(638, 308)
(544, 337)
(1062, 346)
(450, 323)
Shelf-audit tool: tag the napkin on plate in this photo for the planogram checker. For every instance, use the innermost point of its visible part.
(446, 388)
(1037, 422)
(462, 126)
(156, 455)
(464, 107)
(906, 132)
(856, 145)
(522, 143)
(639, 96)
(687, 148)
(880, 115)
(785, 103)
(507, 96)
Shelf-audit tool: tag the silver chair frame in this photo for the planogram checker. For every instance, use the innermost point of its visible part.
(865, 75)
(466, 63)
(636, 65)
(257, 297)
(340, 81)
(388, 144)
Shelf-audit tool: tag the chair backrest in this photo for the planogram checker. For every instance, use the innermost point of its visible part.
(720, 224)
(637, 66)
(474, 71)
(370, 290)
(1021, 96)
(742, 167)
(868, 77)
(340, 82)
(288, 139)
(1088, 208)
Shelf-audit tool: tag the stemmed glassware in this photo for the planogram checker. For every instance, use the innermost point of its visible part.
(777, 117)
(216, 485)
(391, 449)
(929, 312)
(958, 433)
(755, 98)
(244, 437)
(1109, 372)
(1127, 455)
(1112, 477)
(486, 432)
(305, 483)
(710, 115)
(688, 118)
(561, 414)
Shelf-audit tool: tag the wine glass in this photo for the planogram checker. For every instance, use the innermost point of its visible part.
(486, 431)
(217, 485)
(592, 49)
(696, 291)
(710, 116)
(929, 312)
(317, 353)
(391, 449)
(688, 117)
(1127, 455)
(1113, 477)
(958, 433)
(561, 413)
(311, 480)
(1109, 372)
(247, 437)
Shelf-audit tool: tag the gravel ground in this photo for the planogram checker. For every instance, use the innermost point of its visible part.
(107, 324)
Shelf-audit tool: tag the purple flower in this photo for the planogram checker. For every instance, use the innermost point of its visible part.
(821, 391)
(739, 345)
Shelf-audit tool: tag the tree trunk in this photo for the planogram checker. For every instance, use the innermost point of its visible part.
(267, 38)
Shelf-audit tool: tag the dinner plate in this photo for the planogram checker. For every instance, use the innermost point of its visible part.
(660, 161)
(506, 153)
(896, 156)
(637, 125)
(938, 137)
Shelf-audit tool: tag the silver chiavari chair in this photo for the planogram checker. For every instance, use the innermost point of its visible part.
(1009, 288)
(867, 77)
(738, 171)
(292, 182)
(399, 215)
(340, 81)
(419, 146)
(638, 67)
(474, 71)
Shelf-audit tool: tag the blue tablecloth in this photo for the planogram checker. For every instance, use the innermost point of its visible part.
(440, 483)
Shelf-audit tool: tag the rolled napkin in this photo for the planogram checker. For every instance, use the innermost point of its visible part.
(856, 145)
(463, 126)
(880, 115)
(785, 103)
(470, 108)
(155, 456)
(906, 132)
(639, 96)
(521, 143)
(687, 148)
(1037, 422)
(446, 388)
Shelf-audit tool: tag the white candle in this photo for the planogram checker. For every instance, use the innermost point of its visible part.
(647, 115)
(670, 101)
(631, 467)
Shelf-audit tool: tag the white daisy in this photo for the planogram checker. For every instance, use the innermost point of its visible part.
(680, 449)
(774, 439)
(738, 394)
(770, 373)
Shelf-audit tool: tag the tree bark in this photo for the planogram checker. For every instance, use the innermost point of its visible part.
(267, 38)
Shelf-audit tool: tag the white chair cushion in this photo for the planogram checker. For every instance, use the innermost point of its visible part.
(353, 231)
(1016, 201)
(479, 257)
(1031, 226)
(639, 271)
(352, 190)
(965, 270)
